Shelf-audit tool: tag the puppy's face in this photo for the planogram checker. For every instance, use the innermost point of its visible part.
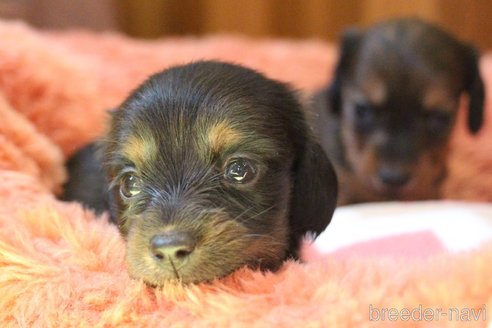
(202, 161)
(399, 90)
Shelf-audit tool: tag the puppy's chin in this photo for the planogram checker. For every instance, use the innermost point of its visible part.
(406, 192)
(156, 276)
(417, 188)
(220, 250)
(372, 188)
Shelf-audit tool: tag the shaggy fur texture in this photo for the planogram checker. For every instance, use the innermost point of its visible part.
(61, 267)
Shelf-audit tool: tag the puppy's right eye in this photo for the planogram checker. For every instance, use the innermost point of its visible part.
(364, 114)
(130, 185)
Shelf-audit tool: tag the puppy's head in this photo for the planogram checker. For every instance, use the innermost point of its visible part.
(396, 90)
(211, 168)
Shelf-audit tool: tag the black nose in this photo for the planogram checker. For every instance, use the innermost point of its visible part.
(173, 245)
(394, 177)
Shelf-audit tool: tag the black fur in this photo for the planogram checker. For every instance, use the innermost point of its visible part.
(87, 179)
(475, 89)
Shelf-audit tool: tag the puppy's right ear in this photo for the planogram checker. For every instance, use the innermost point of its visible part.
(106, 148)
(314, 195)
(348, 48)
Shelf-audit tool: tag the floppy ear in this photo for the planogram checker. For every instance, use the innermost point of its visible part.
(314, 195)
(475, 88)
(86, 182)
(349, 44)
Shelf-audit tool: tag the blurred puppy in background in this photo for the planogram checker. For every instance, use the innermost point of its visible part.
(207, 167)
(385, 120)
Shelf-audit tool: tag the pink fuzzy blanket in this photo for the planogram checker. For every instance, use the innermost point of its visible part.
(59, 266)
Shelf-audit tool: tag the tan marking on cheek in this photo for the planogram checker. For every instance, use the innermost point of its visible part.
(270, 249)
(350, 143)
(140, 149)
(261, 249)
(367, 165)
(362, 158)
(222, 136)
(428, 174)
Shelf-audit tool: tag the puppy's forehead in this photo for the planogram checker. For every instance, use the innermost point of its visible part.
(411, 53)
(208, 107)
(411, 42)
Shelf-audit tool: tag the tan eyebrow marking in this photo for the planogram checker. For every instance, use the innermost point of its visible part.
(437, 97)
(221, 136)
(140, 148)
(376, 91)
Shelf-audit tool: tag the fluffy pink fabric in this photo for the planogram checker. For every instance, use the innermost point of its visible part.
(61, 267)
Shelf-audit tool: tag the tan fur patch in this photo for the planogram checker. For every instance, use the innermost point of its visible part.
(375, 91)
(438, 98)
(140, 149)
(221, 136)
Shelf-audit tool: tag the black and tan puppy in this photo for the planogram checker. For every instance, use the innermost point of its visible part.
(386, 118)
(209, 167)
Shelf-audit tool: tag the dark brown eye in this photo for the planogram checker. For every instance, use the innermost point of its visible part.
(438, 121)
(240, 170)
(364, 115)
(130, 185)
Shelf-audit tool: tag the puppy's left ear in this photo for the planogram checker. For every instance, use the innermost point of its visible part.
(475, 88)
(314, 195)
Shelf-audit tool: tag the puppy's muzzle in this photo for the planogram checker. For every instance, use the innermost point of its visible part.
(397, 154)
(173, 247)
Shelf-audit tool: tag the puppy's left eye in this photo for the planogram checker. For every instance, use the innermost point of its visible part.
(240, 170)
(437, 121)
(130, 185)
(364, 115)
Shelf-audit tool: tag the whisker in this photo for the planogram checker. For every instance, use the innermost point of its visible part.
(258, 214)
(273, 240)
(242, 213)
(174, 269)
